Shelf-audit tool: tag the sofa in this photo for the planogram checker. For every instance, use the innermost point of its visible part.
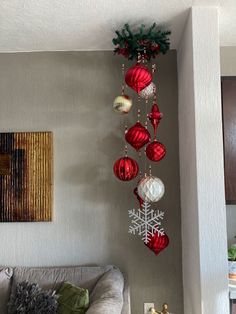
(108, 288)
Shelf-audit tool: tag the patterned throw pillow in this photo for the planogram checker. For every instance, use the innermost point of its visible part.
(29, 298)
(72, 299)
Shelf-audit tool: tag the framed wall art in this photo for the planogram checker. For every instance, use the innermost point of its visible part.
(26, 176)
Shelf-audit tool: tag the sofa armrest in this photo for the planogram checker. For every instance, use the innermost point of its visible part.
(126, 298)
(107, 296)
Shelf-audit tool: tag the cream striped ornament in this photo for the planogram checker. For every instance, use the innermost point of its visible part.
(122, 104)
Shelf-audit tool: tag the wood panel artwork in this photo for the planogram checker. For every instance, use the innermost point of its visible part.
(26, 176)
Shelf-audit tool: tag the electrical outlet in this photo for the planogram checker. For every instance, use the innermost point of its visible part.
(147, 307)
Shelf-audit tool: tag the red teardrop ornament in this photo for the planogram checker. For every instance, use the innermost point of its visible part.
(155, 151)
(138, 77)
(140, 200)
(155, 117)
(126, 169)
(158, 243)
(137, 136)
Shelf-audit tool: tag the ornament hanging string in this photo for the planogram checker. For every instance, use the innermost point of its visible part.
(146, 125)
(123, 81)
(124, 122)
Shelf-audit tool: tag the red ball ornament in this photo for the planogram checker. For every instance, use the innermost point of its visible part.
(126, 169)
(155, 151)
(137, 136)
(158, 243)
(138, 77)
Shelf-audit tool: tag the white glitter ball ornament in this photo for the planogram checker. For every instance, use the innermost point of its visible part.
(122, 104)
(148, 91)
(151, 189)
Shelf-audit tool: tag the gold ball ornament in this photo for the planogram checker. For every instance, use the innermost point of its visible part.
(148, 91)
(122, 104)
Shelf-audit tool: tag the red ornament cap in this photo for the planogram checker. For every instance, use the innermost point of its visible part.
(137, 136)
(140, 200)
(155, 117)
(125, 169)
(155, 151)
(158, 243)
(138, 77)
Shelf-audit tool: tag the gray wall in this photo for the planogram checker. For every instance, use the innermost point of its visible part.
(228, 68)
(71, 94)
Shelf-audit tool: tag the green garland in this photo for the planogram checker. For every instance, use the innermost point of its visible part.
(146, 43)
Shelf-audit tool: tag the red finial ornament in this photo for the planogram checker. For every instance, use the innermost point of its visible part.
(138, 77)
(155, 117)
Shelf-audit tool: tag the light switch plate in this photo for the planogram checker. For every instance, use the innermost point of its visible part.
(147, 307)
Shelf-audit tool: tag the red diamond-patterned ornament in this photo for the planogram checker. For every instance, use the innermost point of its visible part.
(155, 151)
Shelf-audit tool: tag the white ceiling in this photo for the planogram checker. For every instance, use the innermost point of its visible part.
(45, 25)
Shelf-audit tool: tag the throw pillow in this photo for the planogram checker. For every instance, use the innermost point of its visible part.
(72, 299)
(5, 288)
(29, 298)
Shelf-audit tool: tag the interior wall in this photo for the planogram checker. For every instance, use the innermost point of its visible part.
(201, 166)
(228, 68)
(71, 94)
(188, 174)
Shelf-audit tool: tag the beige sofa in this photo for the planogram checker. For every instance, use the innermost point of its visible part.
(109, 291)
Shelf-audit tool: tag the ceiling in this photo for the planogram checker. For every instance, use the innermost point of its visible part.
(45, 25)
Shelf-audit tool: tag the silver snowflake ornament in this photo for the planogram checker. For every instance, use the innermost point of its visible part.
(146, 222)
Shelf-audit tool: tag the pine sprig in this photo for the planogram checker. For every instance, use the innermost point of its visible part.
(145, 43)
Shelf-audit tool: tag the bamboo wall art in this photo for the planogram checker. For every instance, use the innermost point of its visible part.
(26, 176)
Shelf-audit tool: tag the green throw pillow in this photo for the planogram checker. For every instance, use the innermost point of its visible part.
(72, 299)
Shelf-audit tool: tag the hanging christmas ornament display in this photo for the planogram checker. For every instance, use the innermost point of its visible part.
(137, 136)
(138, 77)
(158, 243)
(146, 222)
(141, 47)
(155, 151)
(148, 91)
(126, 168)
(122, 104)
(151, 189)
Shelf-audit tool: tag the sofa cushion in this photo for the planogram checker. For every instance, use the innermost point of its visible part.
(5, 287)
(72, 299)
(53, 277)
(107, 295)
